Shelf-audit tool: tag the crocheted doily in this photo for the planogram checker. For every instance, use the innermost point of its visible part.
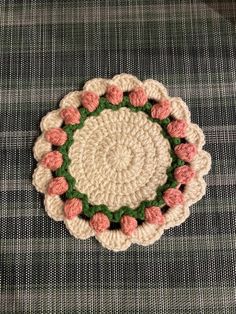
(121, 161)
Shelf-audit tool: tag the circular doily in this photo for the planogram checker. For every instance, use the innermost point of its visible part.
(121, 161)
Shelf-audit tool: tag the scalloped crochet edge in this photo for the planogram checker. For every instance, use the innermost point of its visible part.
(146, 233)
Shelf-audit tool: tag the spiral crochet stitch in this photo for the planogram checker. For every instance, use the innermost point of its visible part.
(120, 167)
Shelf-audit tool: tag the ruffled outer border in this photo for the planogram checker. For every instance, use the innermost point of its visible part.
(146, 233)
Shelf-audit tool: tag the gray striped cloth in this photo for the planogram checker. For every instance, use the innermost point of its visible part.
(48, 48)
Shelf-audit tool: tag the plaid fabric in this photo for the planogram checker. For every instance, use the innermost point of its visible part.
(49, 48)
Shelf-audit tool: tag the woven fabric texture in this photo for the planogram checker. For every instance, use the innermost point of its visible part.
(48, 48)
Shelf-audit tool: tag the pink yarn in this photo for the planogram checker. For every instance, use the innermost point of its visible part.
(186, 151)
(52, 160)
(56, 136)
(72, 208)
(138, 97)
(173, 197)
(153, 215)
(57, 186)
(161, 110)
(184, 174)
(70, 115)
(99, 222)
(90, 100)
(128, 224)
(177, 128)
(114, 94)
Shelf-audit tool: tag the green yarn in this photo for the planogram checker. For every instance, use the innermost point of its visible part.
(138, 213)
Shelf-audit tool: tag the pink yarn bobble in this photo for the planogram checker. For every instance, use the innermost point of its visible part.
(57, 186)
(184, 174)
(153, 215)
(52, 160)
(99, 222)
(173, 197)
(90, 100)
(70, 115)
(186, 151)
(177, 128)
(161, 110)
(128, 224)
(114, 94)
(72, 208)
(138, 97)
(56, 136)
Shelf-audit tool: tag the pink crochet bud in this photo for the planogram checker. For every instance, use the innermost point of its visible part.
(56, 136)
(186, 151)
(177, 128)
(52, 160)
(57, 186)
(173, 197)
(184, 174)
(99, 222)
(72, 208)
(90, 100)
(161, 110)
(138, 97)
(153, 215)
(128, 224)
(70, 115)
(114, 94)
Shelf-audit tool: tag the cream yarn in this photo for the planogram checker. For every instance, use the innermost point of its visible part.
(119, 158)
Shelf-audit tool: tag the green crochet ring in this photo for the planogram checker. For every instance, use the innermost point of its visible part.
(88, 209)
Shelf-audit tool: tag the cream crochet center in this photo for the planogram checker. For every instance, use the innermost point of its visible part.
(119, 158)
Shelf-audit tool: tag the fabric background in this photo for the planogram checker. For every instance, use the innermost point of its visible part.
(49, 48)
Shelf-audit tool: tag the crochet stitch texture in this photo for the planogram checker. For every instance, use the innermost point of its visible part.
(121, 161)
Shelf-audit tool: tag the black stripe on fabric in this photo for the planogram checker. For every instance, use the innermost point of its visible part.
(86, 268)
(89, 3)
(46, 67)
